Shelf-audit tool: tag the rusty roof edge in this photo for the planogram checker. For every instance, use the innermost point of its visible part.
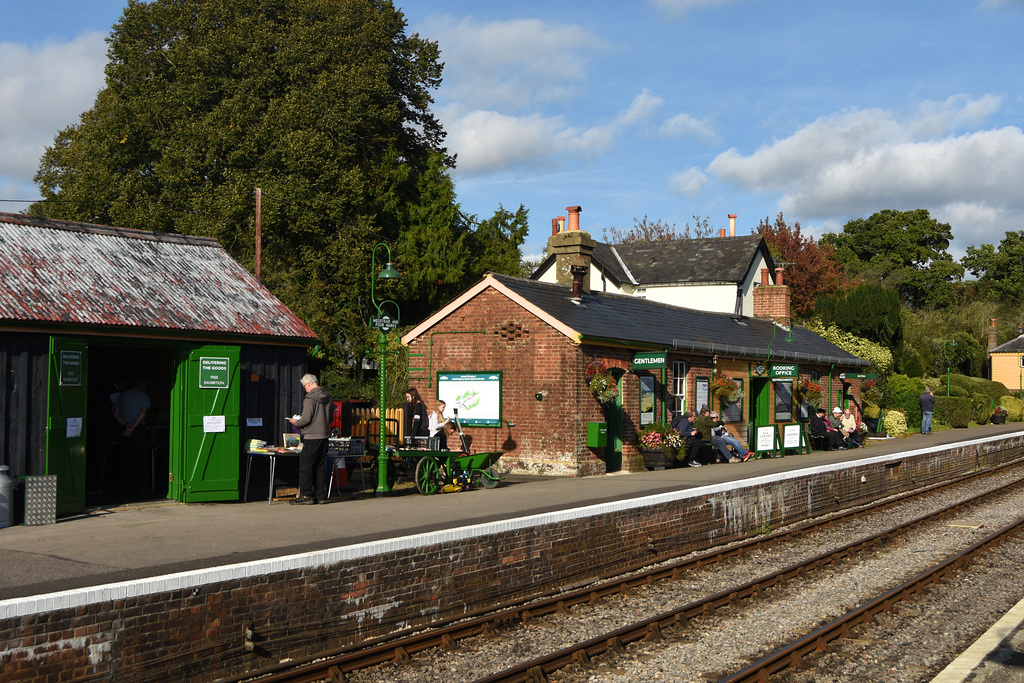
(161, 334)
(92, 228)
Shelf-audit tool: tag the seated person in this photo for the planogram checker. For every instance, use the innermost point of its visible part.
(851, 427)
(706, 425)
(721, 433)
(691, 436)
(820, 428)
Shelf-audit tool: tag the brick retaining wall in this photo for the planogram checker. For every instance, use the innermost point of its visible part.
(192, 626)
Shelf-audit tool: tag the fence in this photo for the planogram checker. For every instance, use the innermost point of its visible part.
(366, 423)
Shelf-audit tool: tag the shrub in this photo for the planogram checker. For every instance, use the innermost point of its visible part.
(959, 412)
(895, 423)
(1014, 408)
(981, 408)
(905, 395)
(871, 410)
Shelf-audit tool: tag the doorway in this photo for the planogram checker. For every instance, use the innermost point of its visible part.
(113, 367)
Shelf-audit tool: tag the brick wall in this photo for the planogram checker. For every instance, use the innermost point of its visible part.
(198, 633)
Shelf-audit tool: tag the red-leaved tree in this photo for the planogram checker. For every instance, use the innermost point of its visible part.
(811, 268)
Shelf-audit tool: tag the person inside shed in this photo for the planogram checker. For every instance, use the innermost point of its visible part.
(314, 424)
(417, 421)
(821, 429)
(134, 454)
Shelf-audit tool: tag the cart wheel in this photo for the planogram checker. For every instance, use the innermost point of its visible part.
(428, 475)
(489, 478)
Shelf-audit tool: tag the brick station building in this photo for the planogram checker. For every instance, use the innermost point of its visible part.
(525, 348)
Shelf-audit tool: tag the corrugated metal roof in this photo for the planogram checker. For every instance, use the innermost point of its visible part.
(78, 273)
(632, 320)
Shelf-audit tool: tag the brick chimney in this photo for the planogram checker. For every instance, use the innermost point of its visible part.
(991, 334)
(771, 300)
(572, 247)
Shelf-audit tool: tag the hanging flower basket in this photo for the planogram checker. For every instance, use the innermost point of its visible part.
(809, 392)
(726, 390)
(600, 382)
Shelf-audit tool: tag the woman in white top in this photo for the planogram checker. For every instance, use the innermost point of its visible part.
(437, 423)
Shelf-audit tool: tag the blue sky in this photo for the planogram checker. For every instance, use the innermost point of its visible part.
(665, 108)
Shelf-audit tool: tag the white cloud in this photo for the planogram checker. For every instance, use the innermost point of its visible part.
(859, 162)
(509, 65)
(487, 141)
(687, 183)
(43, 89)
(681, 7)
(684, 125)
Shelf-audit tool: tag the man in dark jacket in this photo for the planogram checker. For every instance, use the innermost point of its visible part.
(314, 423)
(819, 427)
(691, 436)
(927, 408)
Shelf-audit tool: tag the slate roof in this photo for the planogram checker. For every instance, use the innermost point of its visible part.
(645, 323)
(1013, 346)
(706, 259)
(62, 272)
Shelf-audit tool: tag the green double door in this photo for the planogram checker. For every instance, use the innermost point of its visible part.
(204, 429)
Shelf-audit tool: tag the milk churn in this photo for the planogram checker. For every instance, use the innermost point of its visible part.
(6, 497)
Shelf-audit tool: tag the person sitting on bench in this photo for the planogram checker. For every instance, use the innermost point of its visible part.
(819, 429)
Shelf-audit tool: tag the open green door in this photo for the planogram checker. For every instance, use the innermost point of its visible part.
(65, 422)
(205, 467)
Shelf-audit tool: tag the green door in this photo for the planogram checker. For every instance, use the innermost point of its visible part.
(65, 422)
(204, 463)
(613, 416)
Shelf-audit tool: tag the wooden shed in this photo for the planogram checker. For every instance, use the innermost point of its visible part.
(83, 306)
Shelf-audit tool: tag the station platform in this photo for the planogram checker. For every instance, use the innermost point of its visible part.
(137, 541)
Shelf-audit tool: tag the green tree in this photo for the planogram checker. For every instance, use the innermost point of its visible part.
(904, 249)
(1000, 273)
(324, 105)
(812, 269)
(869, 310)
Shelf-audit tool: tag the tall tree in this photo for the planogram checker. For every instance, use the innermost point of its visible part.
(904, 249)
(1000, 273)
(323, 104)
(811, 268)
(869, 310)
(645, 230)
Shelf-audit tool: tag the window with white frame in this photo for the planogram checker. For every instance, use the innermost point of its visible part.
(679, 385)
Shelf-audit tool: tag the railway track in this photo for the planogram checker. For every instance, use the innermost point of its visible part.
(342, 664)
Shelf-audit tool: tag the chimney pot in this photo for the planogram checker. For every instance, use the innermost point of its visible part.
(778, 277)
(764, 276)
(732, 224)
(574, 217)
(721, 232)
(554, 226)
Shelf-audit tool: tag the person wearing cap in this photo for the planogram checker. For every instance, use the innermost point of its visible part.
(820, 428)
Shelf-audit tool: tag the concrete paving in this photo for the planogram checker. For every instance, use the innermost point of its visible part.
(107, 545)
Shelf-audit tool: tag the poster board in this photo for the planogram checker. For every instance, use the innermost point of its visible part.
(766, 440)
(476, 395)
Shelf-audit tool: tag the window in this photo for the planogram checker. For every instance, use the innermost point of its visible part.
(783, 401)
(733, 412)
(679, 386)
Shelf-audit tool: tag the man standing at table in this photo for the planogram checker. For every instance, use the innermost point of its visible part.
(314, 423)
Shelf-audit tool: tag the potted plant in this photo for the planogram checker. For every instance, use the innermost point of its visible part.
(658, 443)
(999, 415)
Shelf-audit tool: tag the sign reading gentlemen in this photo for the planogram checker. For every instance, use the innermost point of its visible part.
(649, 361)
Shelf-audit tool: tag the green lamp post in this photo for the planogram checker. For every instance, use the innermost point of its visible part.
(949, 342)
(383, 323)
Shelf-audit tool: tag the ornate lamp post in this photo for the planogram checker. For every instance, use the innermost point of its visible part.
(949, 342)
(384, 324)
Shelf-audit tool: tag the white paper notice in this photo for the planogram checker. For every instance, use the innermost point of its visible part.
(213, 423)
(74, 427)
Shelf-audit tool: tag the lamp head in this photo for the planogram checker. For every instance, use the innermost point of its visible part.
(389, 272)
